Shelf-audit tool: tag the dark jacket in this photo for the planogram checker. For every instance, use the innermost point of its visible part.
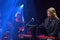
(52, 28)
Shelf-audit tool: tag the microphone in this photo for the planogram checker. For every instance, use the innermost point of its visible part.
(32, 19)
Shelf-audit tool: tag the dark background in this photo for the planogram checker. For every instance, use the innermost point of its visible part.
(37, 9)
(43, 5)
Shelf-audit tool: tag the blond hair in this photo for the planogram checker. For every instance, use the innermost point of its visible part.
(52, 9)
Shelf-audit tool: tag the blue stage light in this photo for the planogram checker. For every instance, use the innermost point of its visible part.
(22, 6)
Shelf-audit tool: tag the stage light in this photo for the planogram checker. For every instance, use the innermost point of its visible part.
(22, 6)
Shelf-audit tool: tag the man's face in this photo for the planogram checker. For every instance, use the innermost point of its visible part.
(19, 16)
(50, 14)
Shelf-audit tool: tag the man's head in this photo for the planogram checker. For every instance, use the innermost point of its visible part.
(51, 12)
(18, 16)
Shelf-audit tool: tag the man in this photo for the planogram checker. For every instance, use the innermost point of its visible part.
(18, 27)
(51, 23)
